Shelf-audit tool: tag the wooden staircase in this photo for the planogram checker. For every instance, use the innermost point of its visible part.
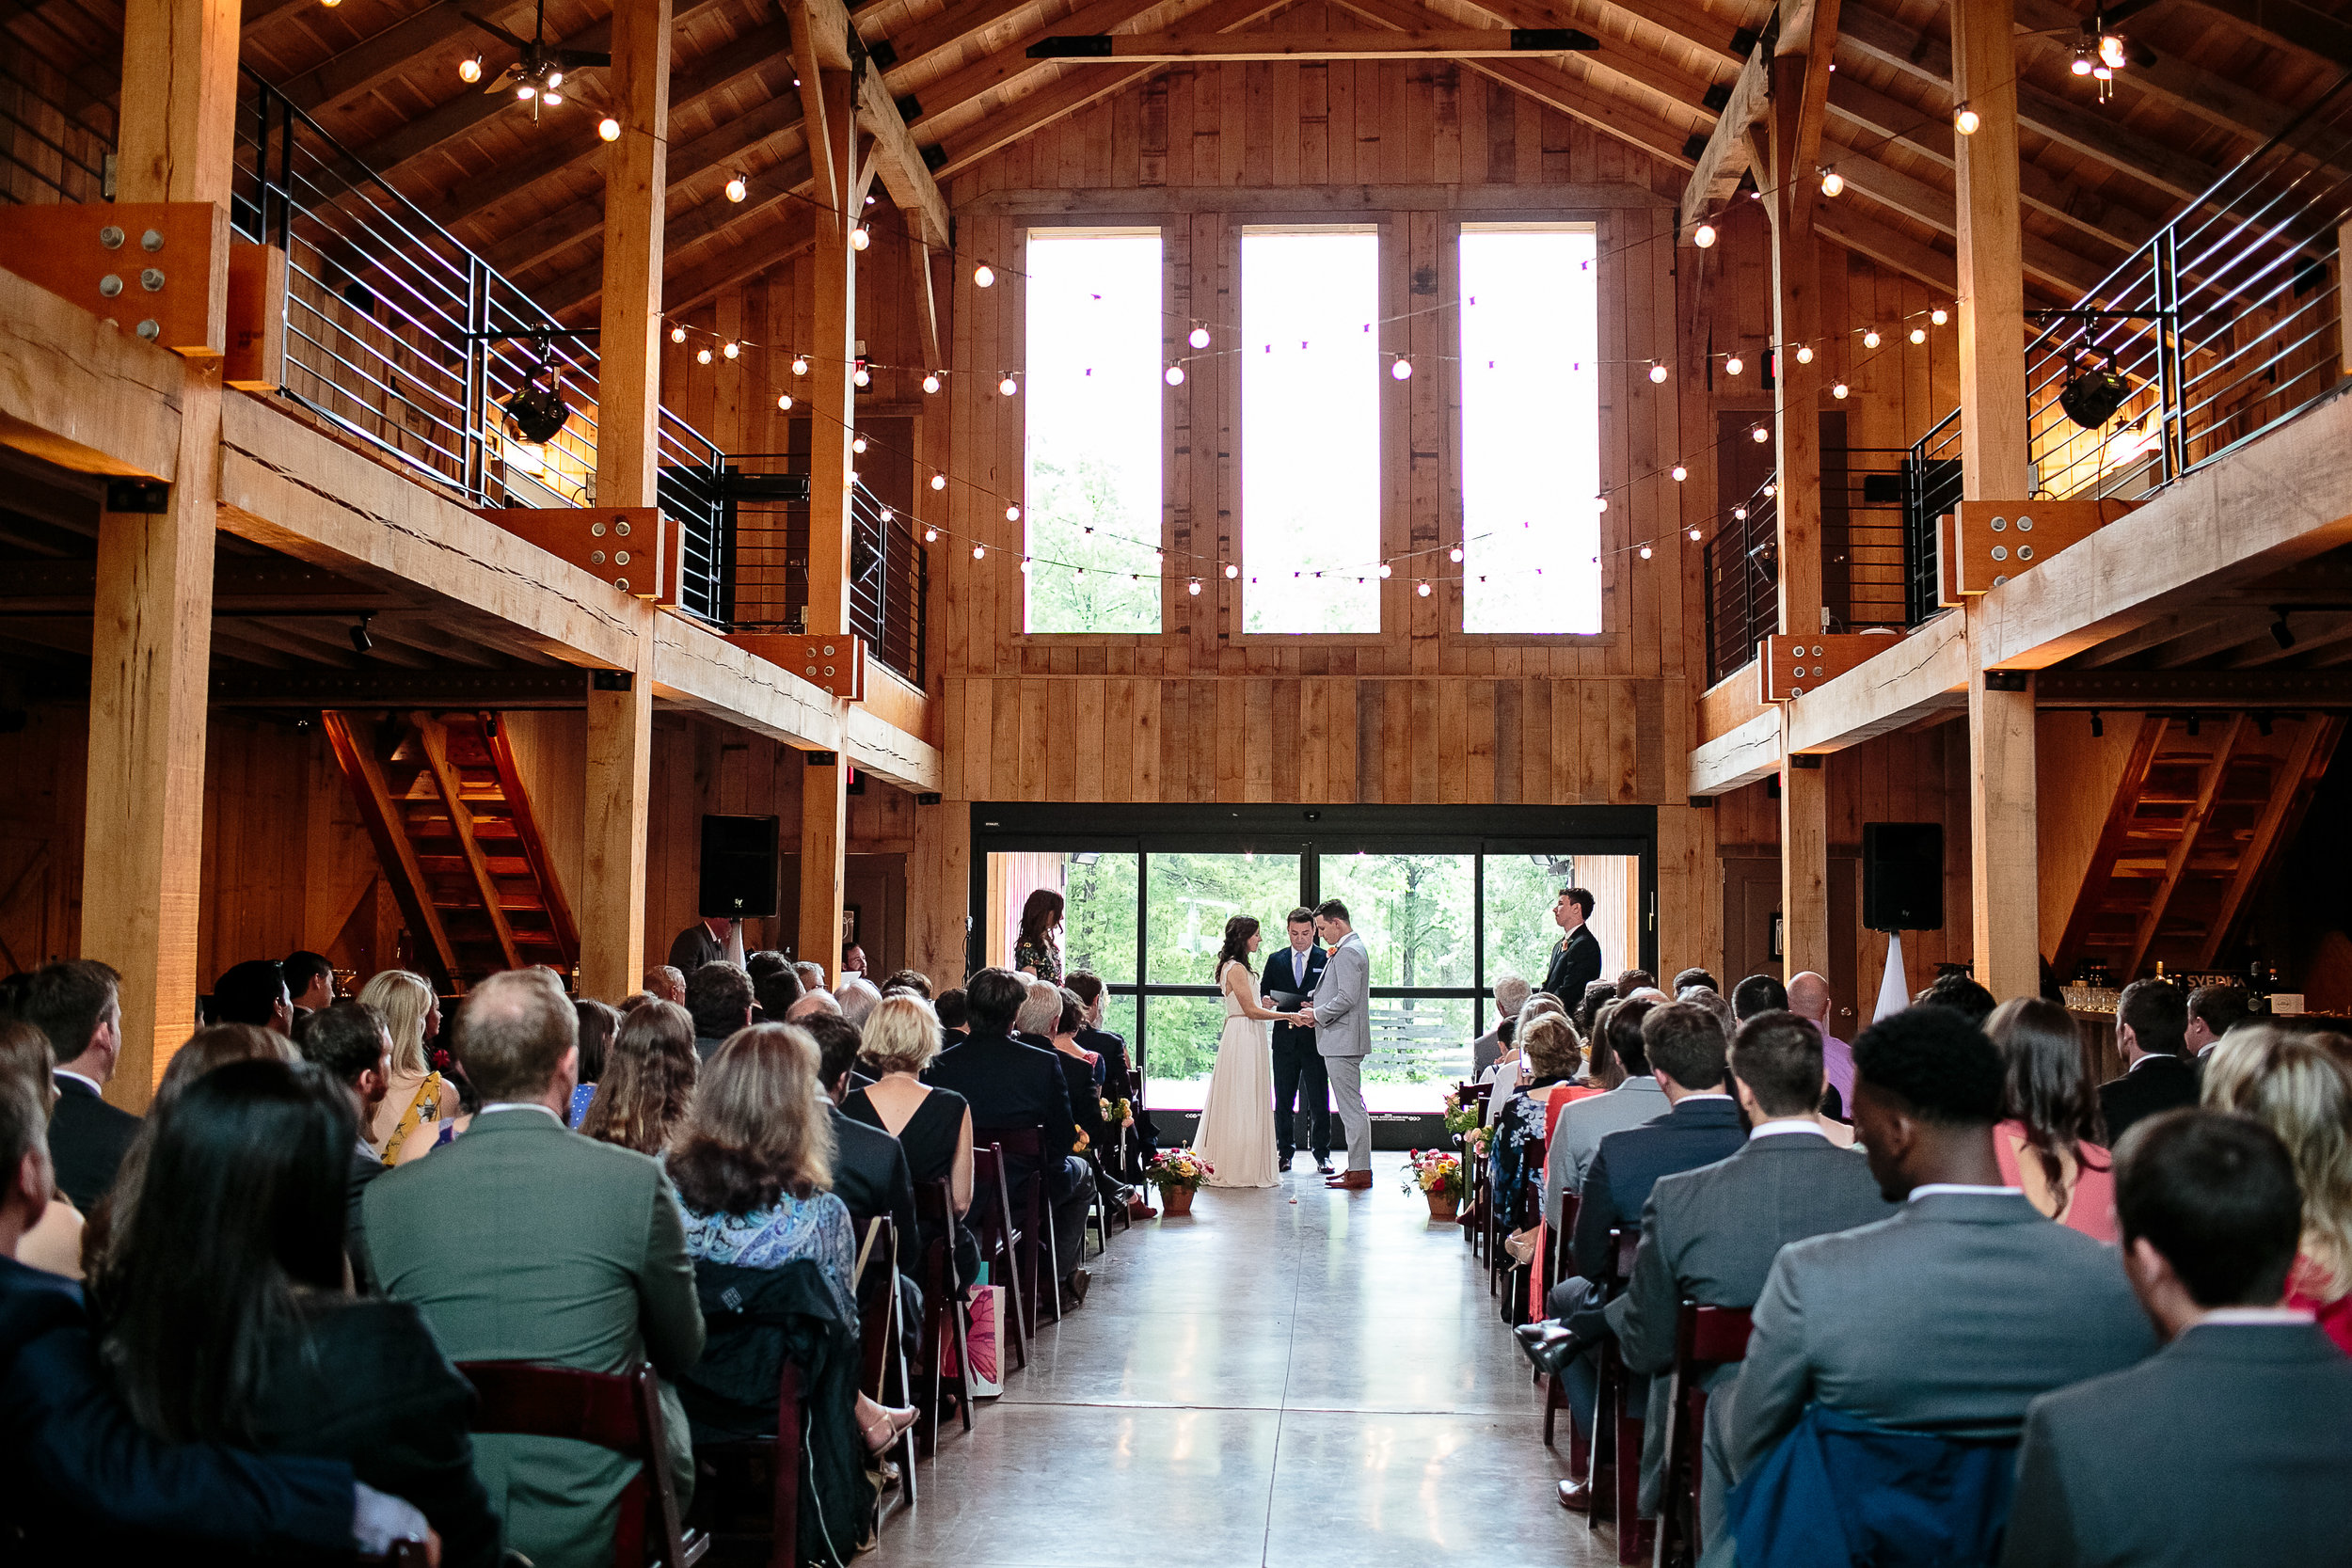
(2198, 817)
(454, 835)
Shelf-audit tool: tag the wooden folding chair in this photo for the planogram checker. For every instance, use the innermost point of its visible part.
(1616, 1449)
(1706, 1337)
(1000, 1238)
(1035, 1215)
(882, 1335)
(1555, 1388)
(945, 1309)
(620, 1411)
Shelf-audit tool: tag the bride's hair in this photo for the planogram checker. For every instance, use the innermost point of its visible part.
(1238, 931)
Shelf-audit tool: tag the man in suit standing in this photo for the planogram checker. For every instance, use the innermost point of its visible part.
(2211, 1220)
(707, 941)
(1945, 1322)
(1299, 1077)
(1709, 1235)
(76, 1005)
(1010, 1084)
(2151, 1029)
(525, 1241)
(1576, 957)
(1341, 1016)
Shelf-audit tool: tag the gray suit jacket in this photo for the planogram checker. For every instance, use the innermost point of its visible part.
(1342, 1001)
(1949, 1317)
(1576, 1136)
(523, 1241)
(2273, 1463)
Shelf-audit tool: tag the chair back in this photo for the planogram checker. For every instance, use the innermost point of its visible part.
(1624, 1242)
(1013, 1142)
(1710, 1335)
(620, 1411)
(1706, 1337)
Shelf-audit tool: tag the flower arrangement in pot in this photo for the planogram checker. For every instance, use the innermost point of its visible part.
(1437, 1176)
(1178, 1173)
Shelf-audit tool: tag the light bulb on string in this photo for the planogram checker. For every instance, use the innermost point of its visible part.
(784, 402)
(1384, 569)
(1918, 334)
(1678, 473)
(737, 187)
(930, 535)
(1601, 502)
(1192, 588)
(979, 552)
(1832, 182)
(1159, 557)
(1645, 552)
(1733, 365)
(853, 479)
(731, 349)
(1966, 121)
(861, 377)
(857, 444)
(1839, 390)
(1939, 315)
(1174, 376)
(1012, 514)
(983, 276)
(1454, 555)
(1805, 354)
(1200, 338)
(701, 356)
(931, 383)
(1232, 571)
(1695, 535)
(889, 514)
(799, 365)
(1771, 490)
(1402, 370)
(1703, 236)
(1739, 514)
(677, 334)
(608, 129)
(469, 69)
(1657, 371)
(1423, 588)
(1025, 565)
(939, 481)
(1870, 338)
(1008, 386)
(859, 238)
(1760, 435)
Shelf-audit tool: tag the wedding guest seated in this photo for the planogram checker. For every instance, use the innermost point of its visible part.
(2048, 1138)
(1685, 1049)
(1087, 1073)
(521, 1241)
(1694, 977)
(2152, 1031)
(913, 981)
(955, 1018)
(1727, 1018)
(75, 1004)
(666, 982)
(310, 981)
(649, 1073)
(1759, 993)
(81, 1481)
(226, 1317)
(857, 998)
(348, 1042)
(1041, 1009)
(1956, 989)
(811, 974)
(1810, 998)
(1554, 1055)
(932, 1125)
(753, 1166)
(253, 992)
(1010, 1084)
(810, 1004)
(419, 1097)
(598, 1023)
(719, 995)
(1118, 1081)
(1898, 1359)
(1709, 1235)
(870, 1168)
(1631, 980)
(1585, 1011)
(775, 991)
(53, 1241)
(759, 966)
(2210, 1216)
(1511, 994)
(2302, 1091)
(1635, 1098)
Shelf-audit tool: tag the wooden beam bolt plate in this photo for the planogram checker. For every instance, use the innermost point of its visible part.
(1791, 666)
(1994, 541)
(635, 548)
(256, 360)
(145, 266)
(835, 663)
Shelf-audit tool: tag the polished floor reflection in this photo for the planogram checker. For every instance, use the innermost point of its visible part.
(1290, 1378)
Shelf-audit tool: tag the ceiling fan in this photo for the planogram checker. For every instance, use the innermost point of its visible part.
(537, 76)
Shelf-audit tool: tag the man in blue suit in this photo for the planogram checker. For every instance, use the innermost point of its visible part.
(1299, 1077)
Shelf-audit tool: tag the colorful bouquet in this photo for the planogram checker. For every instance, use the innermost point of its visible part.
(1459, 1119)
(1477, 1140)
(1117, 1112)
(1435, 1173)
(1180, 1168)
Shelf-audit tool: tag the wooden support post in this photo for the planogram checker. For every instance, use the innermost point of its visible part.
(143, 843)
(939, 892)
(636, 176)
(611, 897)
(2004, 886)
(1804, 935)
(178, 133)
(832, 398)
(824, 839)
(1991, 269)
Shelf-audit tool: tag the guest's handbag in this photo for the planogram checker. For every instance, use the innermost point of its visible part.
(985, 1379)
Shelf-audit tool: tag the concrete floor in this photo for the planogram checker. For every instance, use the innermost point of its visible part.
(1268, 1383)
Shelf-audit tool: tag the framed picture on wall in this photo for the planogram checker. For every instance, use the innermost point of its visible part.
(849, 925)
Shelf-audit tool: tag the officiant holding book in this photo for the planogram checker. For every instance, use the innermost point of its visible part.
(1299, 1077)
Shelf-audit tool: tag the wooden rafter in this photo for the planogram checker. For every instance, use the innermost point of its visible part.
(375, 60)
(2314, 32)
(1725, 157)
(2291, 791)
(1431, 43)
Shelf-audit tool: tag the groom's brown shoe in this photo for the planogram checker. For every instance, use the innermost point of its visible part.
(1353, 1181)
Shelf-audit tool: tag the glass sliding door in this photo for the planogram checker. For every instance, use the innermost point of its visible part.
(1520, 892)
(1189, 898)
(1417, 915)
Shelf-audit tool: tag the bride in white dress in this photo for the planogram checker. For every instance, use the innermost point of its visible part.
(1237, 1134)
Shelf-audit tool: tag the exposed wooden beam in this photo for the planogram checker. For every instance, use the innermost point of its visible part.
(442, 688)
(1725, 157)
(1431, 43)
(2066, 272)
(2315, 32)
(2198, 691)
(375, 60)
(900, 164)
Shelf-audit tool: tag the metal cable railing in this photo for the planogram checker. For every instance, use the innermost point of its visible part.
(1743, 581)
(1930, 490)
(767, 587)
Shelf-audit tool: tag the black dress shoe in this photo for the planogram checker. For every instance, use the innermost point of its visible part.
(1074, 1287)
(1284, 1159)
(1323, 1165)
(1538, 1331)
(1552, 1354)
(1576, 1496)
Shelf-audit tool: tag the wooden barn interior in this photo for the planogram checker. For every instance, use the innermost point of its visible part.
(310, 639)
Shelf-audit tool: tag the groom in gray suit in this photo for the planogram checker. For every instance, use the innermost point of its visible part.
(1341, 1016)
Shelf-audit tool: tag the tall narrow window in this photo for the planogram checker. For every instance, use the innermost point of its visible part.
(1311, 429)
(1530, 429)
(1092, 404)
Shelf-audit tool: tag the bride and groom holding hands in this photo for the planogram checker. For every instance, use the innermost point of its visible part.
(1328, 994)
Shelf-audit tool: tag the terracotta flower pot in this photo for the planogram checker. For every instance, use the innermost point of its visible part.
(1441, 1206)
(1175, 1200)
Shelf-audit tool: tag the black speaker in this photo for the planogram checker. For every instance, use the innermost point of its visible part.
(1902, 876)
(739, 868)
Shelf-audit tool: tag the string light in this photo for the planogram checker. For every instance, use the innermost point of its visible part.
(1939, 315)
(1733, 365)
(731, 349)
(737, 187)
(1695, 535)
(1918, 334)
(1839, 390)
(1739, 514)
(1423, 588)
(784, 401)
(1657, 371)
(858, 444)
(1966, 121)
(608, 129)
(983, 276)
(1454, 555)
(1805, 354)
(1025, 564)
(1012, 514)
(931, 382)
(469, 69)
(1704, 236)
(1760, 433)
(1384, 569)
(1832, 182)
(1008, 386)
(1192, 588)
(863, 377)
(677, 334)
(1601, 502)
(701, 356)
(889, 514)
(939, 481)
(1771, 490)
(1200, 338)
(1645, 551)
(979, 552)
(859, 238)
(1232, 571)
(930, 535)
(1403, 368)
(1870, 338)
(1175, 377)
(1679, 473)
(799, 365)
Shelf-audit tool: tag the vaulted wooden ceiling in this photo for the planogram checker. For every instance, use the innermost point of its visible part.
(2214, 80)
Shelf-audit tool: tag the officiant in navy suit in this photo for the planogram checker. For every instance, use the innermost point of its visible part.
(1299, 1076)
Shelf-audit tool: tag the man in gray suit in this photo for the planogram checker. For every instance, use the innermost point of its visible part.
(1949, 1319)
(1341, 1016)
(1709, 1235)
(525, 1241)
(2211, 1218)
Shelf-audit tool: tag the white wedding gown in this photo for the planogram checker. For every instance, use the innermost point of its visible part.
(1237, 1124)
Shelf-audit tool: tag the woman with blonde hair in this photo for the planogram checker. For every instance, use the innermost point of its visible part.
(2299, 1088)
(418, 1097)
(932, 1125)
(753, 1167)
(2048, 1138)
(649, 1081)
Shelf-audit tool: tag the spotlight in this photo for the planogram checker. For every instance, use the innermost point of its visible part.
(2090, 397)
(537, 410)
(1703, 236)
(1966, 120)
(360, 641)
(469, 69)
(2281, 632)
(609, 127)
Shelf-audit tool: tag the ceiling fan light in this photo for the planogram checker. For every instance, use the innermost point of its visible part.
(555, 78)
